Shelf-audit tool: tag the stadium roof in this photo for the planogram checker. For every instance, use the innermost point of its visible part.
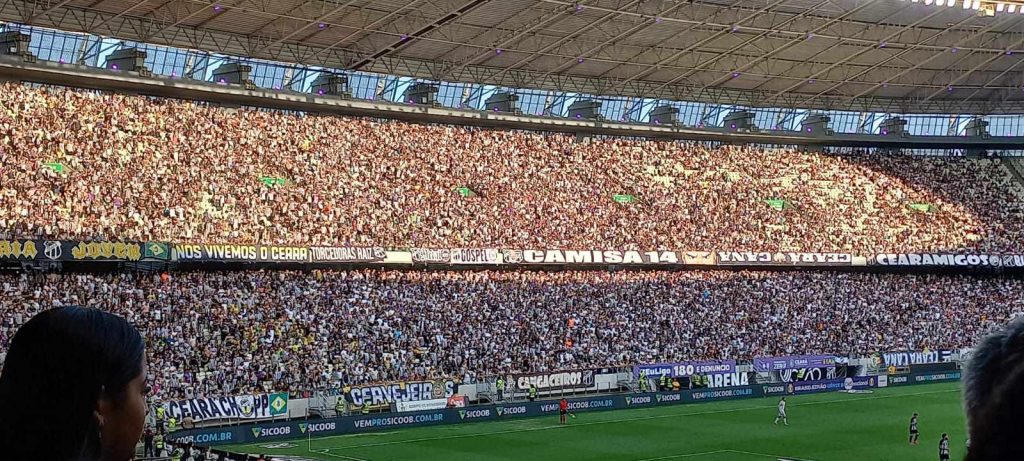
(861, 55)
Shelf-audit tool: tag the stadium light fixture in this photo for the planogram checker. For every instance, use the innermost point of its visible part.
(983, 7)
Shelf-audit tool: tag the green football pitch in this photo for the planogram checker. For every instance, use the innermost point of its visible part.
(832, 426)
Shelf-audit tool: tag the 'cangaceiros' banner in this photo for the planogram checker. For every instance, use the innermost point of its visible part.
(948, 260)
(251, 407)
(556, 380)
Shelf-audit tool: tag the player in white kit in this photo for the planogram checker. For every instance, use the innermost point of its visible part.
(782, 412)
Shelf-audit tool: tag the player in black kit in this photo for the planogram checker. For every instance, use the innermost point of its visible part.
(944, 448)
(913, 429)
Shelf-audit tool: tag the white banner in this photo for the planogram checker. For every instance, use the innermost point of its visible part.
(419, 405)
(249, 407)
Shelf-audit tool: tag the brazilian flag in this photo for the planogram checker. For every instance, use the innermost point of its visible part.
(278, 403)
(156, 250)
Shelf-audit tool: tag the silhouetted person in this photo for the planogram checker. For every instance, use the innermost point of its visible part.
(73, 388)
(994, 396)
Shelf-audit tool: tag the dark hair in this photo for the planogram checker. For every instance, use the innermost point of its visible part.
(59, 364)
(994, 395)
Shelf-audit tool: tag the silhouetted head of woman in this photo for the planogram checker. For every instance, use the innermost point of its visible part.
(73, 388)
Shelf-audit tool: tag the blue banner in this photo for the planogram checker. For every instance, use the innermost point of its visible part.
(764, 364)
(685, 369)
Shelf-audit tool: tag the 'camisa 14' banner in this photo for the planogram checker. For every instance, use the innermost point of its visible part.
(248, 407)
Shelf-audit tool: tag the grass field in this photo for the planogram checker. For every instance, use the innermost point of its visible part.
(823, 427)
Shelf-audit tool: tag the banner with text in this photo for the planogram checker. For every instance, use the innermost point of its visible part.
(908, 358)
(809, 374)
(603, 257)
(74, 250)
(455, 255)
(347, 254)
(240, 253)
(764, 364)
(554, 381)
(684, 369)
(745, 258)
(406, 391)
(948, 260)
(250, 407)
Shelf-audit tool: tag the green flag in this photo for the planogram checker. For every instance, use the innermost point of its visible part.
(57, 167)
(624, 198)
(272, 181)
(778, 204)
(922, 207)
(466, 192)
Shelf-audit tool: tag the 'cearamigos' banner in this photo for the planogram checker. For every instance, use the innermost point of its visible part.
(948, 260)
(250, 407)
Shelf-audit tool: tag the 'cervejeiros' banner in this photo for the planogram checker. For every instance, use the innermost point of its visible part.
(948, 260)
(250, 253)
(405, 391)
(253, 407)
(685, 369)
(764, 364)
(741, 258)
(619, 257)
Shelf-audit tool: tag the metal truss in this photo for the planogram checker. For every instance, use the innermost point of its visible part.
(845, 83)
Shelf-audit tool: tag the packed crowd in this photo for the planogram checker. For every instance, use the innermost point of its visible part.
(225, 333)
(134, 167)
